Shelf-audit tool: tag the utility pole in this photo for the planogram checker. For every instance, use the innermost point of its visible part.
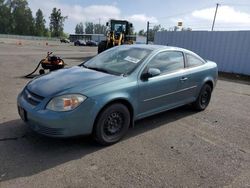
(99, 30)
(217, 4)
(147, 32)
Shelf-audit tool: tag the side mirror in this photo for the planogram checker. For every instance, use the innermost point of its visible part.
(107, 24)
(151, 72)
(130, 25)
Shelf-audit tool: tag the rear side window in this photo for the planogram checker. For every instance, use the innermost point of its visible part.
(167, 61)
(193, 61)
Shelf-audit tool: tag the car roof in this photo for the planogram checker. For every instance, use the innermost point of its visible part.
(155, 47)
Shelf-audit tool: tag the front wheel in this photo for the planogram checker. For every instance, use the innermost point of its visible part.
(112, 124)
(204, 98)
(102, 46)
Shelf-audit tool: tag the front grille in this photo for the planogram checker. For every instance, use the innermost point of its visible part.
(47, 130)
(31, 97)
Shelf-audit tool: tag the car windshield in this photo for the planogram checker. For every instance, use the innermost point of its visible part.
(120, 60)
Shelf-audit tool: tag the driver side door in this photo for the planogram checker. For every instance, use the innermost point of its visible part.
(160, 92)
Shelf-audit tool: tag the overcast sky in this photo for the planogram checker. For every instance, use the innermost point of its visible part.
(197, 14)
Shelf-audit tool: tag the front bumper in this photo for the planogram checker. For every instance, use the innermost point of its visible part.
(79, 121)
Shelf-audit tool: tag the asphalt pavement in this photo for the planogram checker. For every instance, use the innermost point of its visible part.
(177, 148)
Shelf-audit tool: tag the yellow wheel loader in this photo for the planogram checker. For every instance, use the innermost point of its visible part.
(119, 32)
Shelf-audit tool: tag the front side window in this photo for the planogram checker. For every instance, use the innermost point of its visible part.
(193, 61)
(168, 61)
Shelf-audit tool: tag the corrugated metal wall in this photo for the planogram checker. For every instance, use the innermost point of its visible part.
(229, 49)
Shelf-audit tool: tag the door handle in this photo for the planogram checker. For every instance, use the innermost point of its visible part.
(183, 79)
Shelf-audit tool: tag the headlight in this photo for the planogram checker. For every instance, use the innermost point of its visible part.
(65, 102)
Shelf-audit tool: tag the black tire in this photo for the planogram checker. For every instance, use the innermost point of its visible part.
(111, 124)
(41, 71)
(102, 46)
(203, 99)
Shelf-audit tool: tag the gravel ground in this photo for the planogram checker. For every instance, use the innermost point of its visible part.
(178, 148)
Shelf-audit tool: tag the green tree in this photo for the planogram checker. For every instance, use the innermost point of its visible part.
(89, 28)
(47, 33)
(40, 29)
(162, 29)
(100, 29)
(186, 29)
(79, 28)
(151, 33)
(142, 32)
(57, 22)
(5, 18)
(30, 22)
(23, 21)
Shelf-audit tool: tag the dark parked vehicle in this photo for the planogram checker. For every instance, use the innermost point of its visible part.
(80, 43)
(106, 94)
(91, 43)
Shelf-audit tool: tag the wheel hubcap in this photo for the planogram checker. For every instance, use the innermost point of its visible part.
(204, 97)
(113, 123)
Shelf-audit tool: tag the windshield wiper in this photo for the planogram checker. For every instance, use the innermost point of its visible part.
(84, 66)
(101, 70)
(98, 69)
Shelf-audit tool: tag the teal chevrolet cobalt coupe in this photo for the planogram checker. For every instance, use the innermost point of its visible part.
(106, 94)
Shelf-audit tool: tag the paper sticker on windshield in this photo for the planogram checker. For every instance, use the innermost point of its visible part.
(132, 59)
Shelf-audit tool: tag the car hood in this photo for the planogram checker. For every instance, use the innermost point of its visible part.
(75, 78)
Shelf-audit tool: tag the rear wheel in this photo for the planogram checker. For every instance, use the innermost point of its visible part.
(102, 46)
(112, 124)
(204, 98)
(41, 71)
